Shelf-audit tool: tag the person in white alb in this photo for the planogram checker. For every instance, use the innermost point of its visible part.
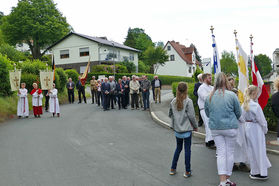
(255, 130)
(54, 102)
(22, 104)
(204, 90)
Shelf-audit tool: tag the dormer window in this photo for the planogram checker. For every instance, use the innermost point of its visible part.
(172, 58)
(169, 48)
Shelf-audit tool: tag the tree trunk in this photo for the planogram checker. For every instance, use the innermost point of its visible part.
(152, 69)
(35, 50)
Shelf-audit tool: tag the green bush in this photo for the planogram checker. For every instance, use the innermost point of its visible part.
(109, 69)
(131, 67)
(62, 77)
(72, 73)
(58, 83)
(12, 53)
(5, 66)
(33, 67)
(270, 116)
(142, 68)
(29, 79)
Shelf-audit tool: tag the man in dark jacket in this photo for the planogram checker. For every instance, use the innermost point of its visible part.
(105, 91)
(275, 105)
(197, 85)
(126, 91)
(71, 90)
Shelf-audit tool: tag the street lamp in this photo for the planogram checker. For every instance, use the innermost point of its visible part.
(113, 59)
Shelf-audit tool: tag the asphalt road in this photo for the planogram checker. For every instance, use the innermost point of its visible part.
(89, 147)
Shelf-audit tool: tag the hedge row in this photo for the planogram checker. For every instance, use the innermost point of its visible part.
(268, 113)
(166, 80)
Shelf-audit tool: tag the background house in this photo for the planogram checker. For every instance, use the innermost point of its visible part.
(74, 50)
(269, 78)
(182, 60)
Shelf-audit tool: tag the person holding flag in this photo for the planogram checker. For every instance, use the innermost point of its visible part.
(81, 83)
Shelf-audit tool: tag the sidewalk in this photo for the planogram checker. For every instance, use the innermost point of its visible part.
(159, 113)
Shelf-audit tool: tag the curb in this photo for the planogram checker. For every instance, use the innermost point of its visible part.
(195, 134)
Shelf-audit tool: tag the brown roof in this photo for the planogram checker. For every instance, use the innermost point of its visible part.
(184, 52)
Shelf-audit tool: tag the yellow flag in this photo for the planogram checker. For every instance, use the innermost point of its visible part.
(15, 77)
(242, 61)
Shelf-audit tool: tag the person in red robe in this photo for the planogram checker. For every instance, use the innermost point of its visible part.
(37, 98)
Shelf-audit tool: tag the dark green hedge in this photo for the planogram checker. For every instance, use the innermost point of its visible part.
(5, 66)
(268, 113)
(72, 73)
(166, 80)
(62, 78)
(29, 79)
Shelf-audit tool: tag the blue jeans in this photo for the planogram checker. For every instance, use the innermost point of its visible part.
(145, 97)
(187, 148)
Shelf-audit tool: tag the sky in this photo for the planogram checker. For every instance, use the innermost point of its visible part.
(184, 21)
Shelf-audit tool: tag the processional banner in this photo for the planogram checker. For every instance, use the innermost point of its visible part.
(46, 79)
(15, 76)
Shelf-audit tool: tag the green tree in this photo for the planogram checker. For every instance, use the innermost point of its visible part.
(198, 57)
(12, 53)
(154, 57)
(263, 63)
(143, 68)
(228, 63)
(138, 39)
(131, 67)
(35, 22)
(197, 72)
(1, 16)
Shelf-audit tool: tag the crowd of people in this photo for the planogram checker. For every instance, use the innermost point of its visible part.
(237, 131)
(110, 94)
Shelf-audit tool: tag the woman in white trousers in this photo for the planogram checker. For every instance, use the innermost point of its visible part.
(223, 109)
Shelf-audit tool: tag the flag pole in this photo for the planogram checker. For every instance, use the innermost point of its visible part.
(236, 43)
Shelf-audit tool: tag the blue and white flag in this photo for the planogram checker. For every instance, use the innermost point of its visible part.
(216, 60)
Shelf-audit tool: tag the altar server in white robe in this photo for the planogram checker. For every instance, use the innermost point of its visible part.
(53, 102)
(255, 130)
(22, 104)
(204, 90)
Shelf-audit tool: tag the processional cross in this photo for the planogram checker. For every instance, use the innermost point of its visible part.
(16, 81)
(47, 79)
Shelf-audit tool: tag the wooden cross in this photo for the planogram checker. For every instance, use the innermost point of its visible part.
(47, 79)
(16, 80)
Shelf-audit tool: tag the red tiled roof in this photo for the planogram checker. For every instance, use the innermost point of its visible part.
(184, 52)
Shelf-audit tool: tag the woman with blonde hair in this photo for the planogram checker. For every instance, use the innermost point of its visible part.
(255, 130)
(183, 122)
(275, 105)
(223, 110)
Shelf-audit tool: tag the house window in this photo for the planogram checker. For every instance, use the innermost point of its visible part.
(169, 48)
(193, 69)
(190, 69)
(84, 51)
(132, 57)
(125, 58)
(172, 58)
(64, 54)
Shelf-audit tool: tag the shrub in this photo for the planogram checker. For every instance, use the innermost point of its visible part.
(109, 68)
(270, 116)
(5, 66)
(58, 83)
(131, 67)
(72, 73)
(62, 77)
(142, 68)
(12, 53)
(29, 79)
(33, 67)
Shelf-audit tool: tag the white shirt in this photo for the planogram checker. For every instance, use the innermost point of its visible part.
(157, 83)
(203, 91)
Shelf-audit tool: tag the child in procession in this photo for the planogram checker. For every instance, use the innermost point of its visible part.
(255, 130)
(54, 102)
(22, 105)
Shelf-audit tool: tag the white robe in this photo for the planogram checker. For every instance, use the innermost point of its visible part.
(255, 130)
(240, 150)
(204, 91)
(37, 99)
(53, 102)
(22, 104)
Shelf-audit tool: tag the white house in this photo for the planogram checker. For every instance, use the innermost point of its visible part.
(206, 65)
(75, 50)
(182, 60)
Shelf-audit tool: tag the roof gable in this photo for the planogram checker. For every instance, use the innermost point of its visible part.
(184, 52)
(99, 40)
